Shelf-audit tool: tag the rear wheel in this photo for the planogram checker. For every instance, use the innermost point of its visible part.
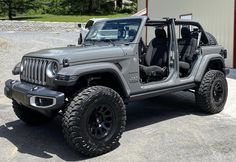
(94, 121)
(28, 115)
(212, 93)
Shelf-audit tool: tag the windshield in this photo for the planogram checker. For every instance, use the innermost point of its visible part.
(114, 31)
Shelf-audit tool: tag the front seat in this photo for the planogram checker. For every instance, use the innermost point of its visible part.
(187, 48)
(156, 59)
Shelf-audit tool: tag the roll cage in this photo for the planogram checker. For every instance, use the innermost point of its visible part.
(174, 22)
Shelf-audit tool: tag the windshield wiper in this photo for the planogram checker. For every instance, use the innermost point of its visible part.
(92, 41)
(113, 43)
(104, 40)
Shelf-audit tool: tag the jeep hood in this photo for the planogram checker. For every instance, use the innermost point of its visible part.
(79, 54)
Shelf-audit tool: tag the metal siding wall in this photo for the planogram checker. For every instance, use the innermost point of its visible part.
(216, 16)
(141, 4)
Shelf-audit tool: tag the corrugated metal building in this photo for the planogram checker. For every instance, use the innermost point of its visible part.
(216, 16)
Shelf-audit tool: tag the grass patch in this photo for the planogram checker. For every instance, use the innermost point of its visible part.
(64, 18)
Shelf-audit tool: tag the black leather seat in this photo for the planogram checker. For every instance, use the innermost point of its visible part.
(156, 58)
(187, 48)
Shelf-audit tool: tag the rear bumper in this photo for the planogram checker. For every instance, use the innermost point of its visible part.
(33, 96)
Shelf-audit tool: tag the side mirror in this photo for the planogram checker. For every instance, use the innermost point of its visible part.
(80, 40)
(79, 25)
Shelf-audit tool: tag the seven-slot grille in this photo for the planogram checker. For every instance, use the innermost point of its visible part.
(34, 70)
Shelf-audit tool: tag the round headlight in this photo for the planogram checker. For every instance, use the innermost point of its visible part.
(18, 69)
(52, 69)
(21, 67)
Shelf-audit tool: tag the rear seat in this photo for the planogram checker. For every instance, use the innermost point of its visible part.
(187, 48)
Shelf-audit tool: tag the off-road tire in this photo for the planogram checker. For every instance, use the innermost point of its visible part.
(206, 94)
(212, 39)
(78, 113)
(28, 115)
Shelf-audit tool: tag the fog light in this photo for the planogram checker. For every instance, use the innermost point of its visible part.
(42, 102)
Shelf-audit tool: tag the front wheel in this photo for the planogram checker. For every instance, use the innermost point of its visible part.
(94, 121)
(212, 93)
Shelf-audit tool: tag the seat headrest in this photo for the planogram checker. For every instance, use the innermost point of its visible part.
(132, 34)
(185, 32)
(160, 33)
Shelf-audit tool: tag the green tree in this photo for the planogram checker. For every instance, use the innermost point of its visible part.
(65, 7)
(11, 7)
(87, 6)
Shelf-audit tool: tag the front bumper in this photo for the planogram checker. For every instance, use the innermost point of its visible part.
(33, 96)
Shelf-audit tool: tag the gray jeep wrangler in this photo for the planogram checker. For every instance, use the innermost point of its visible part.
(90, 84)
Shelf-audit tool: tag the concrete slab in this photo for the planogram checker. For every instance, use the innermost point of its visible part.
(165, 128)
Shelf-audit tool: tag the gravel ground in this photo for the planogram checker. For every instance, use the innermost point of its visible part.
(157, 129)
(13, 45)
(30, 26)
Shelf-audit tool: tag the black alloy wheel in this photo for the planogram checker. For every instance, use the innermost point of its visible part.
(101, 122)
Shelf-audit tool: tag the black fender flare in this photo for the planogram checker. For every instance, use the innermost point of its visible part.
(79, 71)
(206, 60)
